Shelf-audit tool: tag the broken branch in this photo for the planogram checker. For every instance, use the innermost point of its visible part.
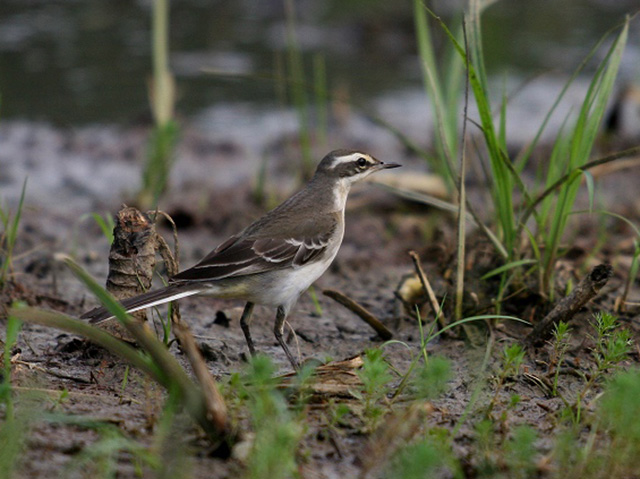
(566, 309)
(361, 311)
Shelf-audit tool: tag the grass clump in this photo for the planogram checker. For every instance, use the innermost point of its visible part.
(431, 378)
(276, 432)
(429, 457)
(10, 224)
(571, 149)
(612, 447)
(101, 458)
(443, 88)
(570, 153)
(12, 423)
(520, 452)
(497, 456)
(152, 358)
(375, 377)
(612, 344)
(620, 410)
(165, 133)
(560, 345)
(611, 347)
(512, 358)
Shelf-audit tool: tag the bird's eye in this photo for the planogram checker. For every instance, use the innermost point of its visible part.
(362, 162)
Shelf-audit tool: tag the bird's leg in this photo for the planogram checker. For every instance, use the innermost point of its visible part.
(244, 324)
(278, 330)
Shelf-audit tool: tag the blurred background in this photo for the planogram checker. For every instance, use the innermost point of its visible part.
(76, 62)
(259, 85)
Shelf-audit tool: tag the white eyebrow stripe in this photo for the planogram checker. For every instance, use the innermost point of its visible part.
(348, 159)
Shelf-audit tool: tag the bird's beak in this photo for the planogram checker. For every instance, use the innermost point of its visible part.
(383, 166)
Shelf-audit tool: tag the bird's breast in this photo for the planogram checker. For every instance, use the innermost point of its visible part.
(283, 287)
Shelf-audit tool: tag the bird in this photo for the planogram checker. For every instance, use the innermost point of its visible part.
(277, 257)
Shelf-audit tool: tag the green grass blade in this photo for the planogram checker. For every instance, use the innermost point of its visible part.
(507, 267)
(97, 335)
(590, 187)
(529, 149)
(502, 190)
(626, 220)
(444, 93)
(582, 140)
(476, 318)
(11, 234)
(13, 231)
(164, 137)
(106, 225)
(167, 369)
(154, 347)
(157, 170)
(543, 197)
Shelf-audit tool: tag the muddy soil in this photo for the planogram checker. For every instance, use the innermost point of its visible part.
(212, 195)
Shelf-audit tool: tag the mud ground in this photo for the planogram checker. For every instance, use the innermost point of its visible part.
(381, 229)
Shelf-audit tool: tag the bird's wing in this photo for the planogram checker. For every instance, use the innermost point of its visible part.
(242, 255)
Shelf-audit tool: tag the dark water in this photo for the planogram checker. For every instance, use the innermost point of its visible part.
(74, 62)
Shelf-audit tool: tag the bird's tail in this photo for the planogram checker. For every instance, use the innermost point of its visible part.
(145, 300)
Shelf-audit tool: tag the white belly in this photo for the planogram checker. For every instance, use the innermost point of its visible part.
(282, 288)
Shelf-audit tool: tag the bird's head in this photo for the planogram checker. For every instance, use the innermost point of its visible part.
(350, 166)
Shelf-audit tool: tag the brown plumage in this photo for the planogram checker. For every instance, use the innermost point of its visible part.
(276, 258)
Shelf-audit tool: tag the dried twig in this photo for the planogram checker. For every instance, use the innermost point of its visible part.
(566, 309)
(216, 408)
(337, 379)
(433, 301)
(462, 191)
(364, 314)
(175, 259)
(51, 372)
(163, 368)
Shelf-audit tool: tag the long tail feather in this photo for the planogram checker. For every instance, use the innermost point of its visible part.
(145, 300)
